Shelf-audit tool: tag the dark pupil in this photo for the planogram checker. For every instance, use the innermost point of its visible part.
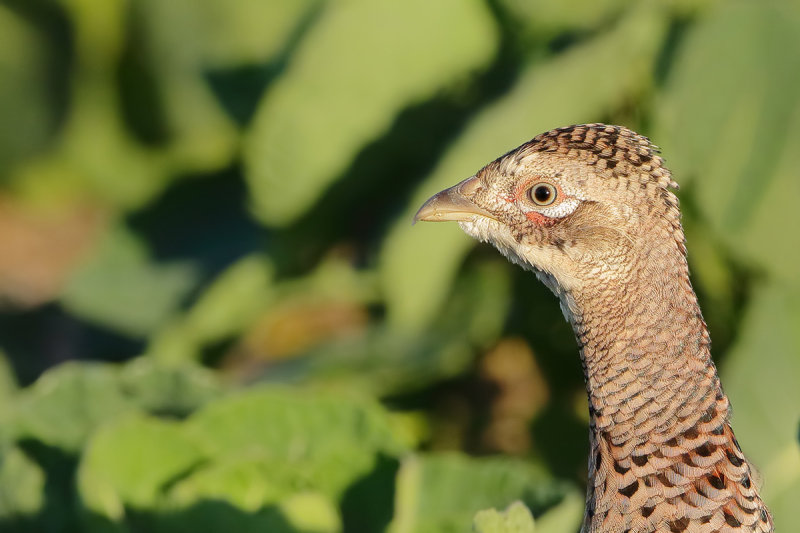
(542, 194)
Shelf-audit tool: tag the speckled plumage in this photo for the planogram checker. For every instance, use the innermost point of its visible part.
(663, 454)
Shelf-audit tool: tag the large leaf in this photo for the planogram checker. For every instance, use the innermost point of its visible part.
(357, 67)
(442, 493)
(563, 518)
(21, 485)
(175, 390)
(543, 20)
(180, 38)
(273, 458)
(760, 375)
(260, 489)
(122, 288)
(67, 403)
(95, 155)
(515, 519)
(230, 33)
(582, 85)
(327, 441)
(729, 124)
(128, 463)
(23, 89)
(226, 307)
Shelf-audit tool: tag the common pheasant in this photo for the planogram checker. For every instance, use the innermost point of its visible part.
(590, 210)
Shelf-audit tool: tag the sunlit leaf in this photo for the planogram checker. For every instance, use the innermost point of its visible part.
(67, 403)
(729, 124)
(360, 64)
(541, 19)
(515, 519)
(128, 463)
(226, 307)
(94, 156)
(565, 517)
(248, 481)
(122, 288)
(21, 485)
(232, 301)
(175, 390)
(327, 440)
(23, 93)
(201, 135)
(260, 488)
(760, 375)
(308, 511)
(229, 33)
(443, 492)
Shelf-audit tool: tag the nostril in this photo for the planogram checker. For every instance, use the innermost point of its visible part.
(469, 186)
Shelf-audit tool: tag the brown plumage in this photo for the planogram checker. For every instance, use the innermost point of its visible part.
(590, 210)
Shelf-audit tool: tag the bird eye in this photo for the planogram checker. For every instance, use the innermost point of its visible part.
(543, 194)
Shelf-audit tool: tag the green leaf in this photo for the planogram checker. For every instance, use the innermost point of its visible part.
(130, 462)
(8, 382)
(95, 156)
(273, 458)
(326, 441)
(21, 485)
(225, 308)
(582, 85)
(122, 288)
(67, 403)
(737, 149)
(360, 64)
(384, 361)
(308, 511)
(443, 492)
(172, 390)
(23, 90)
(184, 39)
(300, 513)
(248, 481)
(565, 517)
(230, 33)
(380, 362)
(515, 519)
(232, 301)
(542, 20)
(760, 376)
(253, 484)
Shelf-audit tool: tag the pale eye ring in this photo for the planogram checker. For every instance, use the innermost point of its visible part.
(543, 194)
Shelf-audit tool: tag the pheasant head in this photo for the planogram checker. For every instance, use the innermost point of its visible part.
(574, 205)
(590, 210)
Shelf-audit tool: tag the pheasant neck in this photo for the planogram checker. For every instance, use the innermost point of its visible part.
(663, 455)
(646, 355)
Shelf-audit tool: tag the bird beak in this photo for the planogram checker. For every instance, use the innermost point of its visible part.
(452, 204)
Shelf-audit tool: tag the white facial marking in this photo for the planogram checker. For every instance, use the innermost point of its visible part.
(560, 209)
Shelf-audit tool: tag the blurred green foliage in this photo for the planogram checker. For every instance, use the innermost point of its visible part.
(216, 315)
(516, 519)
